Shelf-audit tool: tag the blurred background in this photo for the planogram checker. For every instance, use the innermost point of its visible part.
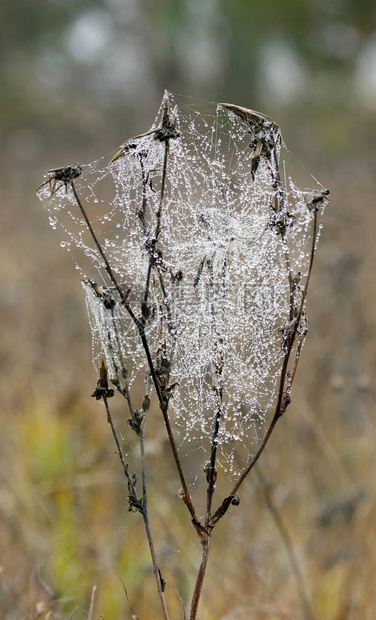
(77, 79)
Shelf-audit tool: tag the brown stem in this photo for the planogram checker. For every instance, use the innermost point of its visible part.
(162, 402)
(141, 331)
(182, 605)
(279, 411)
(134, 615)
(277, 414)
(211, 473)
(221, 511)
(164, 407)
(145, 515)
(142, 213)
(123, 296)
(205, 546)
(163, 184)
(99, 247)
(281, 402)
(313, 248)
(124, 390)
(141, 507)
(305, 291)
(120, 452)
(290, 279)
(147, 285)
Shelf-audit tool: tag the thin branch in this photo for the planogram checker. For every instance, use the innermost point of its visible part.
(186, 496)
(219, 513)
(304, 296)
(139, 506)
(163, 184)
(134, 615)
(137, 423)
(124, 390)
(182, 605)
(283, 398)
(290, 278)
(133, 499)
(99, 247)
(205, 547)
(141, 331)
(211, 471)
(147, 285)
(157, 573)
(163, 404)
(210, 468)
(142, 213)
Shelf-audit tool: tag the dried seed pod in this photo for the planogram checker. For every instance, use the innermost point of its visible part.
(60, 177)
(316, 199)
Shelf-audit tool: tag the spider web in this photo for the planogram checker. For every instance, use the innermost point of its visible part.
(218, 293)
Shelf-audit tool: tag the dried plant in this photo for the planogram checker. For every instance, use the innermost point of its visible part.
(196, 251)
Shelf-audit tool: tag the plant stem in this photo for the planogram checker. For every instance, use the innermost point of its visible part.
(99, 247)
(120, 452)
(162, 402)
(280, 406)
(304, 296)
(205, 546)
(212, 473)
(163, 184)
(145, 515)
(220, 512)
(140, 326)
(164, 409)
(141, 507)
